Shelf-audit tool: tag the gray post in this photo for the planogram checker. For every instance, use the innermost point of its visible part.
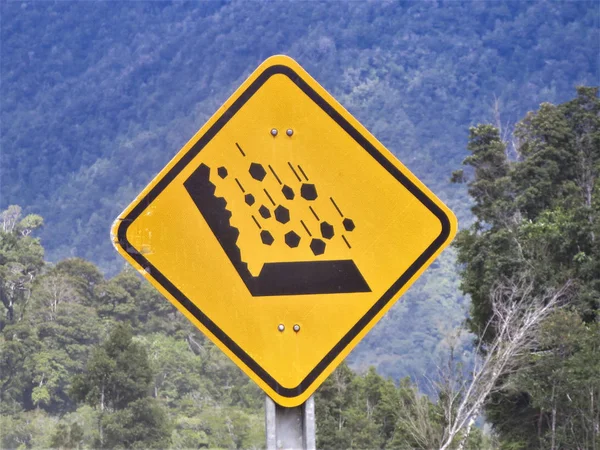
(270, 423)
(290, 428)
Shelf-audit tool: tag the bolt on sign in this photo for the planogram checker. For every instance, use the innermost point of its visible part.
(284, 230)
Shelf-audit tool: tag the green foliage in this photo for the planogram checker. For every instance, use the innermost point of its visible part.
(67, 436)
(117, 381)
(21, 259)
(562, 380)
(539, 217)
(31, 429)
(83, 274)
(70, 344)
(368, 411)
(90, 113)
(141, 424)
(189, 433)
(491, 186)
(17, 342)
(117, 373)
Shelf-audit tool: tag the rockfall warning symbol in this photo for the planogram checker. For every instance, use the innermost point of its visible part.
(284, 230)
(283, 222)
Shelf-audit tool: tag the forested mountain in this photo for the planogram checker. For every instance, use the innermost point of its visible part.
(102, 95)
(97, 97)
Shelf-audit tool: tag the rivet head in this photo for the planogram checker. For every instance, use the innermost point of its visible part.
(274, 131)
(289, 132)
(281, 327)
(296, 328)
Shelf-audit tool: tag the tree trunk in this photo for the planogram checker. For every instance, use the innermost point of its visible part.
(595, 426)
(102, 398)
(553, 442)
(540, 422)
(101, 429)
(463, 440)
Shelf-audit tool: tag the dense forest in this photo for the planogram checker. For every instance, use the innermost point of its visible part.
(90, 362)
(95, 98)
(537, 231)
(103, 94)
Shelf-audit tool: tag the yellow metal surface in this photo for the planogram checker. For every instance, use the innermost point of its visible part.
(284, 212)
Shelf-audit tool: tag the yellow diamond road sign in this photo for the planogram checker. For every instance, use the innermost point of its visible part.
(284, 230)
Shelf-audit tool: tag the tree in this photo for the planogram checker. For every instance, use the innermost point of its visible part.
(562, 380)
(142, 424)
(47, 342)
(17, 343)
(84, 274)
(10, 217)
(117, 373)
(21, 259)
(67, 437)
(516, 319)
(368, 411)
(177, 372)
(117, 381)
(116, 298)
(538, 215)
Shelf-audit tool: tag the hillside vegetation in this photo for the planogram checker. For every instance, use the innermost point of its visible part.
(89, 362)
(96, 97)
(92, 362)
(538, 231)
(101, 95)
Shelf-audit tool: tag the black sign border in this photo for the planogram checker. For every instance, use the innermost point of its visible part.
(203, 318)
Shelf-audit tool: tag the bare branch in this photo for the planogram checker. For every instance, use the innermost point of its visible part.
(516, 316)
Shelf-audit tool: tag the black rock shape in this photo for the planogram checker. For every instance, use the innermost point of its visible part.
(264, 212)
(266, 237)
(317, 246)
(215, 212)
(308, 191)
(292, 239)
(288, 192)
(249, 199)
(348, 224)
(282, 214)
(222, 171)
(276, 278)
(326, 230)
(257, 171)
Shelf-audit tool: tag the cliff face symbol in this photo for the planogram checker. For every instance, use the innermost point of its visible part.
(275, 278)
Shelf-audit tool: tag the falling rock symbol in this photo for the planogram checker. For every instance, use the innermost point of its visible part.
(292, 239)
(317, 246)
(327, 230)
(282, 214)
(308, 191)
(266, 237)
(257, 171)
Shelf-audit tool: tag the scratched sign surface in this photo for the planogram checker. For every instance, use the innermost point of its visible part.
(284, 230)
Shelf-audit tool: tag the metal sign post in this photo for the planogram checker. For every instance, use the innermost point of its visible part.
(290, 428)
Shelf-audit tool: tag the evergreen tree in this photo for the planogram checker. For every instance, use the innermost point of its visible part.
(21, 259)
(368, 411)
(538, 217)
(117, 382)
